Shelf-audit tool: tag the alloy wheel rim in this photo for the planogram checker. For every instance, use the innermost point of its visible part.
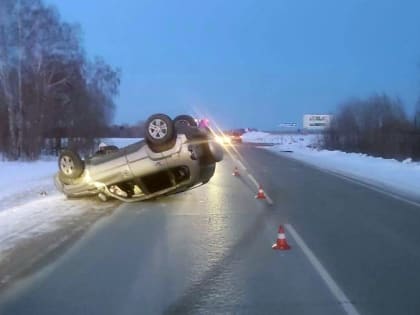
(67, 165)
(158, 128)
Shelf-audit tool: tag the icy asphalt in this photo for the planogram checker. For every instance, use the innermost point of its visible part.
(208, 251)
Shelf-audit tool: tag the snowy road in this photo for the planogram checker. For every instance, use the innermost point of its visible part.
(209, 251)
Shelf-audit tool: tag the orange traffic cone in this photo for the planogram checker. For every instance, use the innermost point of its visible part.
(260, 194)
(235, 171)
(281, 243)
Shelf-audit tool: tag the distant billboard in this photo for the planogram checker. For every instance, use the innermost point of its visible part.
(316, 122)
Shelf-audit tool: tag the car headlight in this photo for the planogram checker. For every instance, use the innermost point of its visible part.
(219, 139)
(223, 139)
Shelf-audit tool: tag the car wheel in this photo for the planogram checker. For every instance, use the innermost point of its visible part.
(70, 164)
(183, 121)
(212, 153)
(160, 132)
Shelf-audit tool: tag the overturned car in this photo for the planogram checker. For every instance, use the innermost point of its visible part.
(176, 155)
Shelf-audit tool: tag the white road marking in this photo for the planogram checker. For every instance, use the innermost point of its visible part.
(329, 281)
(241, 164)
(267, 197)
(253, 180)
(270, 202)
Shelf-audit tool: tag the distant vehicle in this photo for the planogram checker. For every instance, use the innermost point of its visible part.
(175, 156)
(229, 138)
(223, 139)
(233, 136)
(236, 137)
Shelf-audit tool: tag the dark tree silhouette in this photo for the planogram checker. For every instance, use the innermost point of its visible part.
(48, 88)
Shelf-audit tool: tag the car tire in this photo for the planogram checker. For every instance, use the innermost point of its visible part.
(212, 152)
(160, 132)
(183, 122)
(70, 164)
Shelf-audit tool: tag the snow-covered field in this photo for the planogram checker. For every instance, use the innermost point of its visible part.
(401, 177)
(29, 203)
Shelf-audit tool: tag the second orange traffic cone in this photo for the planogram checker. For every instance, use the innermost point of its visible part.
(281, 243)
(260, 194)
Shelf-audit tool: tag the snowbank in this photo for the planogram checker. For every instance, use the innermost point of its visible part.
(22, 181)
(401, 177)
(256, 137)
(29, 203)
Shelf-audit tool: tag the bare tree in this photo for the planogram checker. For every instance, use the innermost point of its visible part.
(6, 72)
(378, 126)
(47, 84)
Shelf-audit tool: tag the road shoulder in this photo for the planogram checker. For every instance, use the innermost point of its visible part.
(33, 252)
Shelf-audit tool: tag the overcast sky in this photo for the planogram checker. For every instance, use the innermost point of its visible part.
(251, 63)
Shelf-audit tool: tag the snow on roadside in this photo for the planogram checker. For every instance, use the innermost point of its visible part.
(401, 177)
(36, 218)
(22, 181)
(26, 214)
(287, 141)
(24, 210)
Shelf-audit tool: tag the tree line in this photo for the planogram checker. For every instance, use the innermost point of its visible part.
(378, 126)
(49, 89)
